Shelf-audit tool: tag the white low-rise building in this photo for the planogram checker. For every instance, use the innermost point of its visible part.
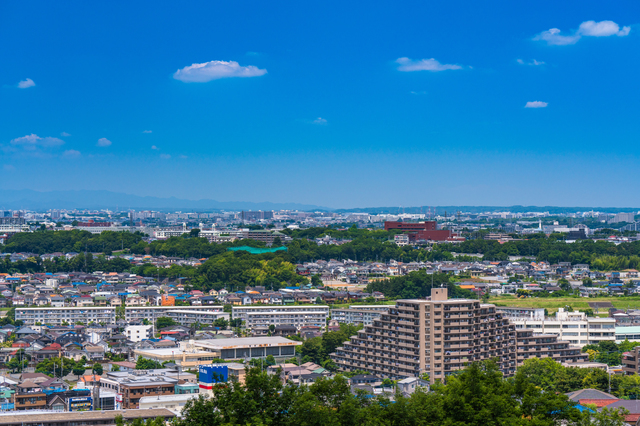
(574, 327)
(138, 333)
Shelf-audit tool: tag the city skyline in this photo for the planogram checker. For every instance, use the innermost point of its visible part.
(341, 106)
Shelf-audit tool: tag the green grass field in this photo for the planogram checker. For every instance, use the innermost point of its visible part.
(553, 303)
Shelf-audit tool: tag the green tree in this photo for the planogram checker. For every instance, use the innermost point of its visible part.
(97, 369)
(165, 322)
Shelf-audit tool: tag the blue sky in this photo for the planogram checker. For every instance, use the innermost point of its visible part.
(340, 104)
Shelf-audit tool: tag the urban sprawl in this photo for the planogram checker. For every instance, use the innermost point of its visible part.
(139, 314)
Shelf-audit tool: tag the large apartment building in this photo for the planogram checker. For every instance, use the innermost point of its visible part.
(67, 315)
(359, 314)
(440, 336)
(574, 327)
(297, 316)
(152, 313)
(107, 315)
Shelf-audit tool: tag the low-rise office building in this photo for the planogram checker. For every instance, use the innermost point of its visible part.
(248, 347)
(297, 316)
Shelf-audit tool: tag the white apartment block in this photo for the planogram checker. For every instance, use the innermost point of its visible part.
(359, 314)
(574, 327)
(105, 314)
(151, 313)
(70, 315)
(297, 316)
(189, 317)
(138, 333)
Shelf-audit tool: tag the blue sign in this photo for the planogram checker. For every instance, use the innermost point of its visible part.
(213, 373)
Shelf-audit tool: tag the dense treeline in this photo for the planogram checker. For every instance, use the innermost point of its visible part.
(79, 263)
(318, 349)
(418, 284)
(551, 376)
(41, 242)
(477, 396)
(599, 254)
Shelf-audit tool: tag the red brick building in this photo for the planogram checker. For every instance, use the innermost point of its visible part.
(419, 231)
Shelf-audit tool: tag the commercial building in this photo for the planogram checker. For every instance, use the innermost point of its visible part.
(423, 231)
(173, 403)
(131, 386)
(631, 333)
(209, 375)
(84, 418)
(297, 316)
(440, 336)
(574, 327)
(248, 347)
(359, 314)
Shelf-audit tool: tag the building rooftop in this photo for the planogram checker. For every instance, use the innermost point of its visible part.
(246, 342)
(19, 418)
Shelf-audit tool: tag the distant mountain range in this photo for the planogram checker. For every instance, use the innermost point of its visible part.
(98, 199)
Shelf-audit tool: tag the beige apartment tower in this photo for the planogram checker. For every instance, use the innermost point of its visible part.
(440, 336)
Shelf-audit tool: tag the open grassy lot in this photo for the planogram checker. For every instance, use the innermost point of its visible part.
(553, 303)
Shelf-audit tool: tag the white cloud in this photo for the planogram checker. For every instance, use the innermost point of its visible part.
(533, 62)
(71, 153)
(25, 84)
(602, 29)
(32, 142)
(536, 104)
(553, 36)
(421, 92)
(183, 156)
(213, 70)
(321, 121)
(407, 64)
(154, 147)
(9, 167)
(147, 131)
(103, 142)
(64, 134)
(165, 156)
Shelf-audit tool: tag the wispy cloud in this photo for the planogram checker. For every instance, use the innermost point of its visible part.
(8, 167)
(183, 156)
(420, 92)
(64, 134)
(536, 104)
(71, 153)
(32, 142)
(533, 62)
(154, 147)
(555, 37)
(103, 142)
(25, 84)
(321, 121)
(165, 156)
(407, 65)
(147, 131)
(214, 70)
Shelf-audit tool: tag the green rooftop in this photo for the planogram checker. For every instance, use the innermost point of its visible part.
(254, 250)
